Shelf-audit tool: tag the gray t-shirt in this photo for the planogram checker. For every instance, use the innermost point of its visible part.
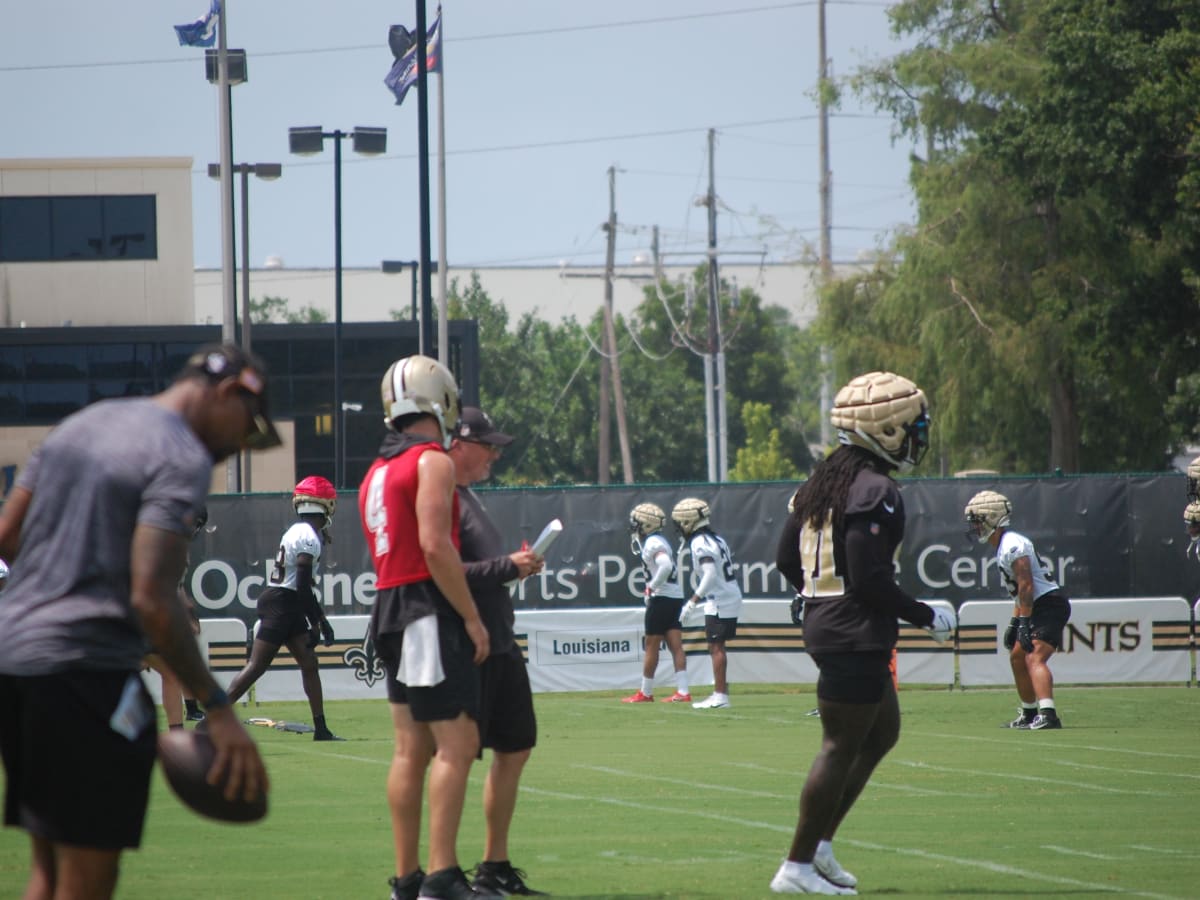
(103, 470)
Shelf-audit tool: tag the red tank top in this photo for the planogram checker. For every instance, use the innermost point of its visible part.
(387, 508)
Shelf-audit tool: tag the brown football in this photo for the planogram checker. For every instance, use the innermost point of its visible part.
(186, 757)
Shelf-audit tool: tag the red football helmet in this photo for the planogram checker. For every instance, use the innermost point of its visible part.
(315, 495)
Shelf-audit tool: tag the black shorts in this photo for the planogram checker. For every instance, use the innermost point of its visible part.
(1051, 612)
(506, 719)
(718, 630)
(662, 614)
(71, 778)
(853, 677)
(281, 616)
(458, 691)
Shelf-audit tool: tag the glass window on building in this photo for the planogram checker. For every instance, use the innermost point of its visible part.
(63, 362)
(47, 402)
(24, 229)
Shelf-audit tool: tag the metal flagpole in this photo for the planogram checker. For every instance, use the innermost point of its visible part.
(427, 333)
(229, 315)
(443, 339)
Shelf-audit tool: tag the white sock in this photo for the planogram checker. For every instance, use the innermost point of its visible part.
(825, 848)
(648, 687)
(1046, 704)
(681, 684)
(1029, 707)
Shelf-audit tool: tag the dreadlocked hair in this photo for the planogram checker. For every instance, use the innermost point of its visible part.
(825, 490)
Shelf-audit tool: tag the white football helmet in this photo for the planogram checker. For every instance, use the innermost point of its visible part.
(1193, 480)
(690, 515)
(886, 414)
(418, 384)
(986, 512)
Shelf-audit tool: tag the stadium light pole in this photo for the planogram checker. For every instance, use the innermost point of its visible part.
(307, 141)
(267, 172)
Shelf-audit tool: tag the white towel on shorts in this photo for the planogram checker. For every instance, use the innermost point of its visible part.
(420, 654)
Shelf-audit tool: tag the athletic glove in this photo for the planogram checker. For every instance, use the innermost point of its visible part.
(798, 610)
(327, 632)
(687, 608)
(943, 625)
(1025, 633)
(1010, 633)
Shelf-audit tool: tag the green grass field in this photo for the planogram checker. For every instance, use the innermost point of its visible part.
(659, 801)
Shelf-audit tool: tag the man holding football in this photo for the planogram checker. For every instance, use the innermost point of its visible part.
(97, 529)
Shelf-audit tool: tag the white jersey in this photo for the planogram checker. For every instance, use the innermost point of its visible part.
(1012, 547)
(720, 591)
(300, 538)
(654, 546)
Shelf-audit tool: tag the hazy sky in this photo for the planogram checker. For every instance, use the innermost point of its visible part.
(541, 97)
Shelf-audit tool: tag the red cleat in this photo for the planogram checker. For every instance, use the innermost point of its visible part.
(679, 698)
(639, 697)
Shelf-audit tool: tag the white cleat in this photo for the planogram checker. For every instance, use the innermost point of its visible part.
(716, 701)
(831, 870)
(791, 882)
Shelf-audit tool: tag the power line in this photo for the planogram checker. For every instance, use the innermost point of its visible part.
(499, 36)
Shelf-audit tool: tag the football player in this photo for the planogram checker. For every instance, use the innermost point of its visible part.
(77, 729)
(1193, 480)
(664, 602)
(1191, 519)
(288, 611)
(837, 549)
(717, 589)
(1040, 612)
(425, 623)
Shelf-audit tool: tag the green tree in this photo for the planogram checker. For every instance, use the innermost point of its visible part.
(1048, 296)
(762, 458)
(275, 309)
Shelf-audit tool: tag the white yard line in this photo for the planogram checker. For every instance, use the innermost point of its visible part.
(1014, 776)
(1018, 873)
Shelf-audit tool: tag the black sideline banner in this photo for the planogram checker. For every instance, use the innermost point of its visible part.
(1102, 536)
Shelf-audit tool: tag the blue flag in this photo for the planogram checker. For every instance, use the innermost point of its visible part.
(202, 32)
(404, 70)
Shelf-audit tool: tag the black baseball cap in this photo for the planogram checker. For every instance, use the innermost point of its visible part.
(216, 362)
(474, 425)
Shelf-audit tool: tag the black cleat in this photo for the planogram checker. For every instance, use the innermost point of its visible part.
(326, 735)
(1023, 720)
(1045, 720)
(450, 884)
(408, 887)
(194, 715)
(502, 879)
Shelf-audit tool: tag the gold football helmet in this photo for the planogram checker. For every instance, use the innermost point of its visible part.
(986, 512)
(418, 384)
(886, 414)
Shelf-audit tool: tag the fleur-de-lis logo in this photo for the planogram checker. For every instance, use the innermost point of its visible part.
(368, 668)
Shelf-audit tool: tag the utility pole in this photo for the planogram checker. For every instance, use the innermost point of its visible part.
(610, 366)
(826, 246)
(714, 362)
